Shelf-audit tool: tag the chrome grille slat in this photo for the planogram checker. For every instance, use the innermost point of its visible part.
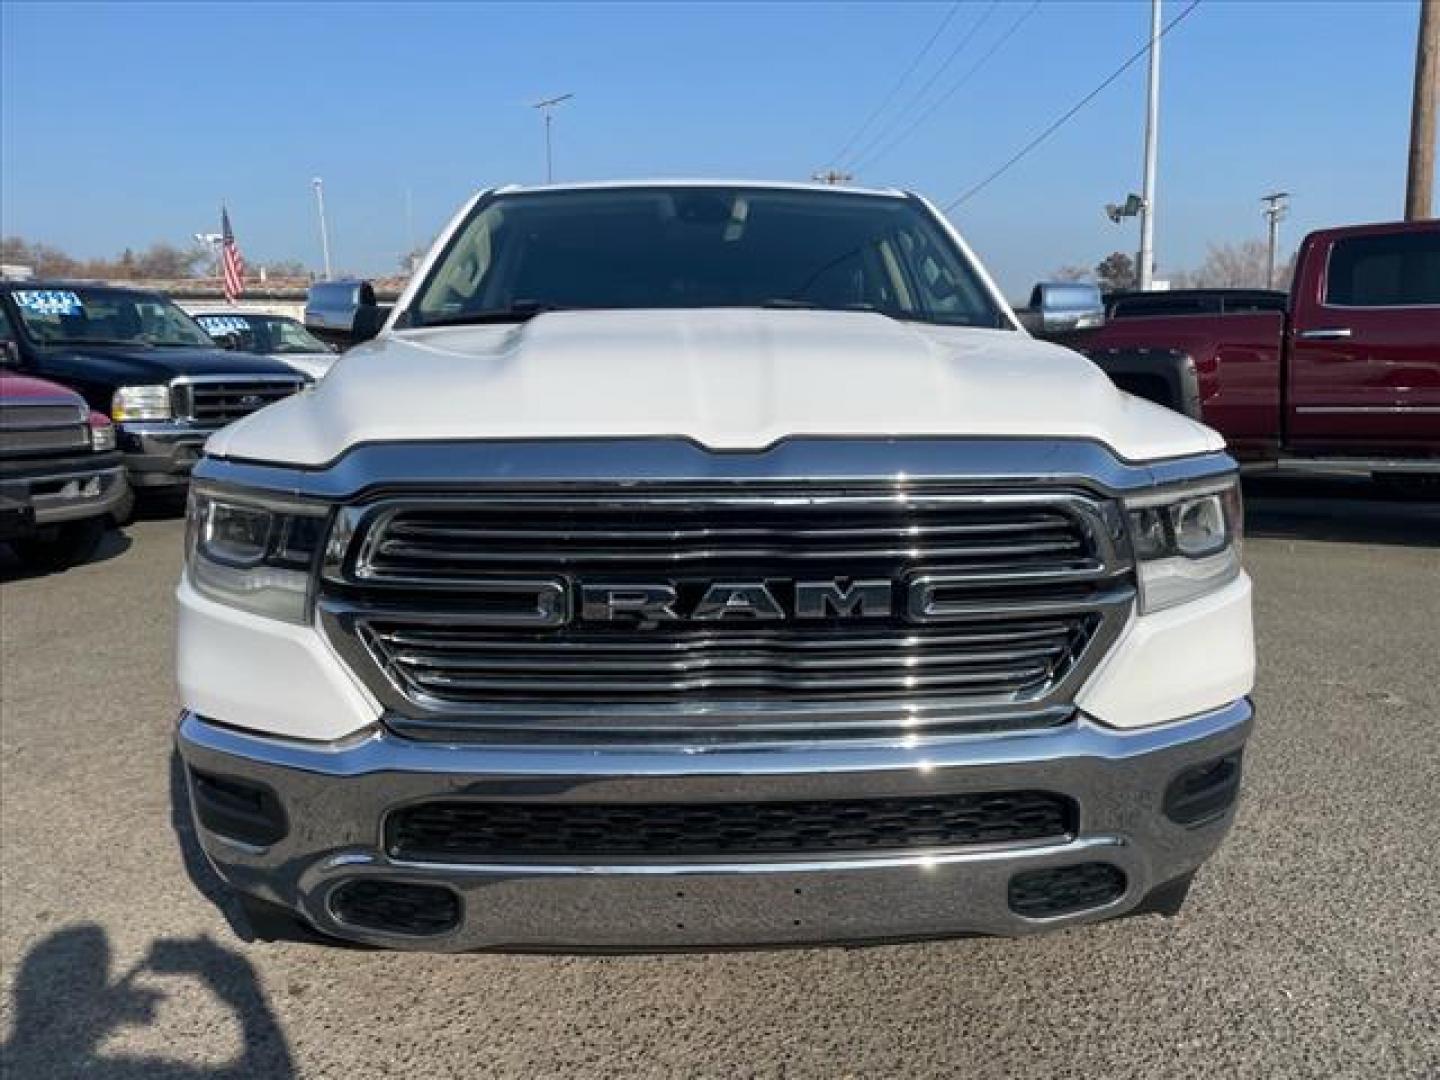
(775, 641)
(750, 660)
(392, 549)
(828, 684)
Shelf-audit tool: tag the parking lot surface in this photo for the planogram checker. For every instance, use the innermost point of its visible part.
(1309, 947)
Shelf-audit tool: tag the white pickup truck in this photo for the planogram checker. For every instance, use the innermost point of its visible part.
(691, 565)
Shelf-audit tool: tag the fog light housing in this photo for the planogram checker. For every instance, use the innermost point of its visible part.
(1204, 792)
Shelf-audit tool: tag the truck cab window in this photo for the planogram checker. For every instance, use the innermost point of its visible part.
(1395, 270)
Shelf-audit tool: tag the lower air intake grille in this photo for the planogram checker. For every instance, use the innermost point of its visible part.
(531, 832)
(1039, 894)
(396, 907)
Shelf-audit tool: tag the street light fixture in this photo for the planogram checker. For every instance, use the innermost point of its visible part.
(1277, 205)
(548, 108)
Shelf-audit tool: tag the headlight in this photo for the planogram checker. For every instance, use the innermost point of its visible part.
(254, 552)
(102, 435)
(141, 403)
(1186, 543)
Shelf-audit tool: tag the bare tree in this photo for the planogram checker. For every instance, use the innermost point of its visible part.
(1239, 265)
(1071, 273)
(1116, 271)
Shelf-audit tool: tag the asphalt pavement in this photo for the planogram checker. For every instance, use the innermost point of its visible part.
(1310, 945)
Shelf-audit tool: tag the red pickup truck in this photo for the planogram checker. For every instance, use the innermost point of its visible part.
(1348, 377)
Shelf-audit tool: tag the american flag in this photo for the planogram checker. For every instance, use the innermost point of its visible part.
(231, 261)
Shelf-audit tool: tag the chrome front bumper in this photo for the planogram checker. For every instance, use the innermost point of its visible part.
(336, 796)
(69, 493)
(162, 453)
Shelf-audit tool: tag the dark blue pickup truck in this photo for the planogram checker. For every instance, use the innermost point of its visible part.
(136, 357)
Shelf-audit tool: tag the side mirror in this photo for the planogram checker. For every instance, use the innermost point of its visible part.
(1060, 308)
(368, 322)
(344, 313)
(9, 354)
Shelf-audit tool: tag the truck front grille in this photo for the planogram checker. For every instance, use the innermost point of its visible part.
(223, 399)
(475, 613)
(42, 429)
(455, 831)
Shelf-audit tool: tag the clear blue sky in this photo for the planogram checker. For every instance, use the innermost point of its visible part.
(122, 125)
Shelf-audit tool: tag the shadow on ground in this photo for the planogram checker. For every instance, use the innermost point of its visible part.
(112, 545)
(67, 1005)
(1357, 511)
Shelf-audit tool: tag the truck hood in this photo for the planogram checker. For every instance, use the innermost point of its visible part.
(730, 379)
(22, 388)
(136, 364)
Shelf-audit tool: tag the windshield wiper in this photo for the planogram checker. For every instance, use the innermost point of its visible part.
(785, 303)
(518, 312)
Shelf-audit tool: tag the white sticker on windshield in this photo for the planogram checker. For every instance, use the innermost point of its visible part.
(48, 301)
(224, 324)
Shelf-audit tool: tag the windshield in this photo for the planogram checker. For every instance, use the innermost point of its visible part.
(702, 247)
(78, 315)
(270, 335)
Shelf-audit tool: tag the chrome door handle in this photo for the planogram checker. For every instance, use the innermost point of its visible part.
(1328, 333)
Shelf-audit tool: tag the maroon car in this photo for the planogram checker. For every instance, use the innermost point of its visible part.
(1347, 377)
(61, 477)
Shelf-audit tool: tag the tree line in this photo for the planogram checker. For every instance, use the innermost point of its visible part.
(1225, 266)
(158, 262)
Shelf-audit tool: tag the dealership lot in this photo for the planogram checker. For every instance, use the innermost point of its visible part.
(1309, 946)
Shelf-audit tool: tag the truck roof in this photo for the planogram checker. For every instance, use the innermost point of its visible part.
(1378, 228)
(772, 185)
(46, 284)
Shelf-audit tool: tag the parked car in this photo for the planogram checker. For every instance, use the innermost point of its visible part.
(279, 336)
(135, 356)
(1346, 376)
(61, 477)
(694, 565)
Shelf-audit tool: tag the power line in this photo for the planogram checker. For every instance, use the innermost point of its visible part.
(920, 56)
(1024, 151)
(954, 89)
(885, 130)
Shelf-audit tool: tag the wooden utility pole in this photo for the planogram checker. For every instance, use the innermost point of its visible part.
(1418, 190)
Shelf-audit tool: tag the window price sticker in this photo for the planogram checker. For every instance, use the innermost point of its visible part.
(48, 301)
(225, 324)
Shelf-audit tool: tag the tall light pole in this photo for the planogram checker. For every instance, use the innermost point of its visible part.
(1152, 134)
(1421, 182)
(548, 108)
(411, 258)
(319, 186)
(1276, 204)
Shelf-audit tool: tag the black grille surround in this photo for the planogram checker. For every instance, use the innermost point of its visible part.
(222, 399)
(433, 601)
(510, 832)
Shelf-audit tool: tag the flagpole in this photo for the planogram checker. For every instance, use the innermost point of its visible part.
(319, 186)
